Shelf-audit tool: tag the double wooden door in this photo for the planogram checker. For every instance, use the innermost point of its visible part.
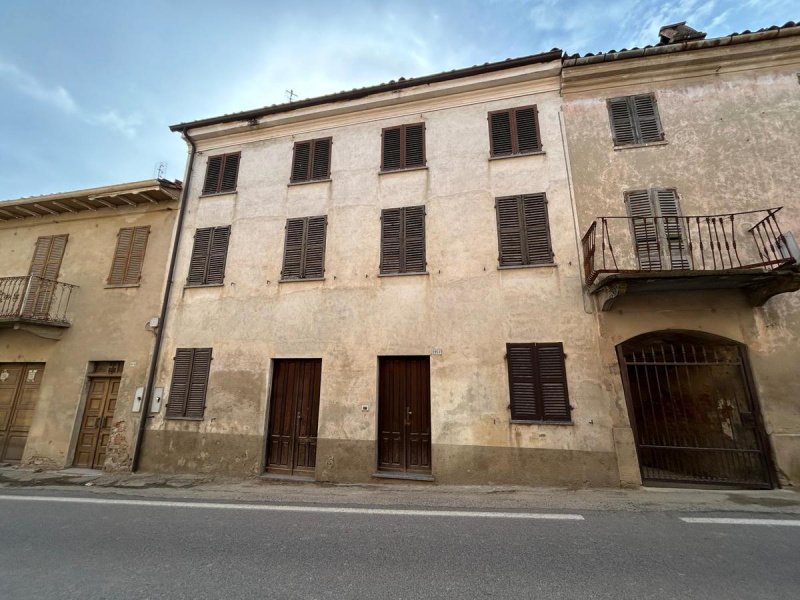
(293, 416)
(404, 414)
(98, 417)
(19, 391)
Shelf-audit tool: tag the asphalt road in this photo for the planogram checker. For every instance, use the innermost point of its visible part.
(163, 549)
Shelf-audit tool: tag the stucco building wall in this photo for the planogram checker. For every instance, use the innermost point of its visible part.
(464, 306)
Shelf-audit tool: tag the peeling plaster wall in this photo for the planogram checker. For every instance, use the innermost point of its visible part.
(732, 131)
(107, 324)
(464, 305)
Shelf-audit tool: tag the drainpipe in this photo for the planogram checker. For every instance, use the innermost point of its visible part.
(151, 377)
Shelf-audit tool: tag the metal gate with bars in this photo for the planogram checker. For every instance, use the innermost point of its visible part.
(693, 411)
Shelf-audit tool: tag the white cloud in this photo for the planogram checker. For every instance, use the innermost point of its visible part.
(59, 98)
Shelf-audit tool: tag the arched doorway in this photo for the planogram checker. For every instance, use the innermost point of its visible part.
(693, 410)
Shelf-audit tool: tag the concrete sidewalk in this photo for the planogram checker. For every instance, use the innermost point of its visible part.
(199, 487)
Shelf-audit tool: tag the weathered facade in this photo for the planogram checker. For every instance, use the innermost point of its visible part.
(82, 276)
(541, 271)
(692, 254)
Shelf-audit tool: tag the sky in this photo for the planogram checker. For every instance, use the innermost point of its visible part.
(88, 88)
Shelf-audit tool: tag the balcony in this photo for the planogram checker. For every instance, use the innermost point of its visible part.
(743, 250)
(35, 304)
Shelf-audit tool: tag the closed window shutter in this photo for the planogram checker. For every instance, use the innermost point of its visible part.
(218, 254)
(500, 133)
(314, 256)
(391, 231)
(230, 172)
(647, 121)
(126, 267)
(46, 263)
(527, 125)
(414, 239)
(301, 161)
(644, 230)
(537, 230)
(667, 202)
(321, 168)
(199, 260)
(179, 387)
(392, 156)
(621, 121)
(414, 145)
(293, 249)
(509, 232)
(213, 173)
(538, 382)
(187, 393)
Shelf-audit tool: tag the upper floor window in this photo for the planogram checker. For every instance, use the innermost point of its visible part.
(304, 250)
(209, 254)
(126, 267)
(403, 240)
(658, 229)
(221, 173)
(523, 231)
(403, 147)
(311, 160)
(634, 120)
(514, 131)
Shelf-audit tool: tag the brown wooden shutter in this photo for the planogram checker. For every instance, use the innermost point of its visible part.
(126, 267)
(213, 173)
(538, 382)
(500, 133)
(414, 145)
(392, 155)
(648, 124)
(199, 261)
(314, 254)
(301, 162)
(391, 232)
(527, 125)
(187, 392)
(293, 249)
(413, 259)
(622, 127)
(537, 230)
(45, 264)
(230, 172)
(321, 166)
(644, 230)
(666, 201)
(510, 232)
(217, 256)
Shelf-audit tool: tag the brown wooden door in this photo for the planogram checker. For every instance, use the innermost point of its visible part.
(19, 391)
(404, 414)
(98, 417)
(293, 416)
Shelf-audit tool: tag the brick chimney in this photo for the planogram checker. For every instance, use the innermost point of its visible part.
(679, 32)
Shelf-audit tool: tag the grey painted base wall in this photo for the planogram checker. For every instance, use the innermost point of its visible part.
(353, 461)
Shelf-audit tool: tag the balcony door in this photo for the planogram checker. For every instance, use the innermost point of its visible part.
(45, 266)
(657, 229)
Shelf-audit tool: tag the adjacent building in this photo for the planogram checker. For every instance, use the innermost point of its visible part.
(81, 281)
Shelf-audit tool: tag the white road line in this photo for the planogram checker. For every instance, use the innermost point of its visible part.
(302, 509)
(709, 520)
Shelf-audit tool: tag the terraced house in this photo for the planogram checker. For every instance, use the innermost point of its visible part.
(81, 281)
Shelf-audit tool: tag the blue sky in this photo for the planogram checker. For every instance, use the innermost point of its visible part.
(88, 88)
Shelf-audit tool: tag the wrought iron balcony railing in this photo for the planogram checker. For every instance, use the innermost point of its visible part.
(32, 299)
(711, 243)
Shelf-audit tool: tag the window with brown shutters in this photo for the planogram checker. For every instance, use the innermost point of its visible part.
(304, 249)
(523, 231)
(209, 253)
(403, 240)
(514, 131)
(44, 270)
(634, 120)
(222, 172)
(187, 392)
(403, 147)
(311, 160)
(657, 229)
(537, 380)
(126, 267)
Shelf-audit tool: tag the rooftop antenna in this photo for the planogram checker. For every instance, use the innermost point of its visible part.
(290, 95)
(160, 170)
